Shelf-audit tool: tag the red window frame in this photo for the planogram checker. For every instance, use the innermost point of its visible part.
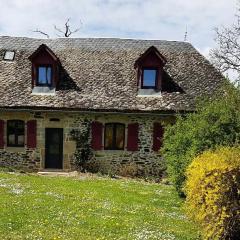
(156, 78)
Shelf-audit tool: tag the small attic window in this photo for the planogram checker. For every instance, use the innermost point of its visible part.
(45, 71)
(149, 78)
(44, 75)
(150, 71)
(9, 55)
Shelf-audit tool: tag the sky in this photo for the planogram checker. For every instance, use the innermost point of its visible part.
(138, 19)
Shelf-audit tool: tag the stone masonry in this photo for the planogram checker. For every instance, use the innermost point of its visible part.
(34, 159)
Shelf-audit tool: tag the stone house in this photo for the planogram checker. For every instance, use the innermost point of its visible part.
(124, 91)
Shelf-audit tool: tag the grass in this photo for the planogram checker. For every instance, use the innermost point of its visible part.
(40, 207)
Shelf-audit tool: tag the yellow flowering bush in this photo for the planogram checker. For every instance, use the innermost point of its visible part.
(213, 192)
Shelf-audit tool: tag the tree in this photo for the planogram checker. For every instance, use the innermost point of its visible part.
(65, 32)
(215, 123)
(226, 57)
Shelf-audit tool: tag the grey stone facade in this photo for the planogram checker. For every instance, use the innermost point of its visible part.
(97, 80)
(34, 159)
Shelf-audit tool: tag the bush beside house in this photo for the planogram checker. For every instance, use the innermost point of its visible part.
(216, 123)
(203, 156)
(213, 192)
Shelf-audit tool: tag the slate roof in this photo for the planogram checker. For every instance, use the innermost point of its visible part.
(98, 75)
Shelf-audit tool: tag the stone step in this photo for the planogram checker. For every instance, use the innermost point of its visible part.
(54, 172)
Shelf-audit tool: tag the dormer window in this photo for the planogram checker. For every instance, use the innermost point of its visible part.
(150, 71)
(45, 71)
(149, 78)
(44, 75)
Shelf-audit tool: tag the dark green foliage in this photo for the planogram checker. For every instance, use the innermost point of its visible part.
(216, 123)
(83, 153)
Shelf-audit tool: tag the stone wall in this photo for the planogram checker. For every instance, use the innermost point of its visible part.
(19, 157)
(148, 161)
(33, 160)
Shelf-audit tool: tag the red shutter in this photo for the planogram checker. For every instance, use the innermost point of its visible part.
(97, 128)
(132, 140)
(32, 134)
(157, 136)
(1, 134)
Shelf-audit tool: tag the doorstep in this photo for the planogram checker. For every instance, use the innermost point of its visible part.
(54, 172)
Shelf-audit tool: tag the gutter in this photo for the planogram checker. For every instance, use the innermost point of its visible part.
(153, 113)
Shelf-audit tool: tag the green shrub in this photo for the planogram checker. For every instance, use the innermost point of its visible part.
(213, 192)
(83, 153)
(215, 123)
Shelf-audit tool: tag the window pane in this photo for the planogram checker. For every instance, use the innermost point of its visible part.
(120, 133)
(15, 132)
(49, 75)
(109, 136)
(9, 55)
(20, 127)
(42, 75)
(20, 133)
(149, 77)
(45, 75)
(20, 140)
(11, 127)
(11, 139)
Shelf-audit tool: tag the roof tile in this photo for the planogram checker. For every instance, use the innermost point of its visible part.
(98, 74)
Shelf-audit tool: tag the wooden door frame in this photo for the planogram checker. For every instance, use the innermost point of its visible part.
(61, 147)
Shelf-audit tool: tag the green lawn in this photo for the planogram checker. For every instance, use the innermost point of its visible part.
(40, 207)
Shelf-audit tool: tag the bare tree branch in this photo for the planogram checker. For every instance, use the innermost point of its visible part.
(41, 32)
(58, 29)
(227, 54)
(67, 32)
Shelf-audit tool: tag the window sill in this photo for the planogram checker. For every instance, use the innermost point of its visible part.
(15, 149)
(111, 151)
(149, 93)
(38, 90)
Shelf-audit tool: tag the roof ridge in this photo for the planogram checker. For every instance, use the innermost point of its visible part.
(96, 38)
